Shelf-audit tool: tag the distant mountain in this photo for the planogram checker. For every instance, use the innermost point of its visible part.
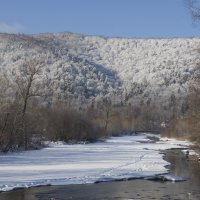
(88, 68)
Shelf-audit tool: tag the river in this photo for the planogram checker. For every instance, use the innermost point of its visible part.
(180, 165)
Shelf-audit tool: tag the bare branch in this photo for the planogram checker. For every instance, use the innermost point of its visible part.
(194, 7)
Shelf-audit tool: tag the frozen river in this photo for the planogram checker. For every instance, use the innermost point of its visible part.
(118, 158)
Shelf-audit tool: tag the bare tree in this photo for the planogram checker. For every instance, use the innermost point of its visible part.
(30, 85)
(194, 7)
(107, 110)
(23, 86)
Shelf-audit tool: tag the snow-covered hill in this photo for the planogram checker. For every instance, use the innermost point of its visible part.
(91, 67)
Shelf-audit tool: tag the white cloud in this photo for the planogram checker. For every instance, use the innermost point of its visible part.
(7, 28)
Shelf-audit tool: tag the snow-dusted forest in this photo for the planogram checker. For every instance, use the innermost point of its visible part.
(90, 67)
(66, 86)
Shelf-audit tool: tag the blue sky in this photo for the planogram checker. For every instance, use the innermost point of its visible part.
(113, 18)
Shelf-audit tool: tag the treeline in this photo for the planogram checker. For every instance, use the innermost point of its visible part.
(28, 115)
(61, 121)
(185, 122)
(41, 123)
(31, 112)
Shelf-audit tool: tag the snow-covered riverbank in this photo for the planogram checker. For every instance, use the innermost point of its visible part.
(117, 158)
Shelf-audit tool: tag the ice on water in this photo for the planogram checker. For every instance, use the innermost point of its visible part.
(118, 158)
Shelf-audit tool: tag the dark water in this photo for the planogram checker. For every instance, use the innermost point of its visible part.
(127, 190)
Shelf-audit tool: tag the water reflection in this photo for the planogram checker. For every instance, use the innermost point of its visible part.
(183, 166)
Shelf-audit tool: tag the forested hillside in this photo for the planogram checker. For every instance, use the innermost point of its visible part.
(91, 67)
(109, 84)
